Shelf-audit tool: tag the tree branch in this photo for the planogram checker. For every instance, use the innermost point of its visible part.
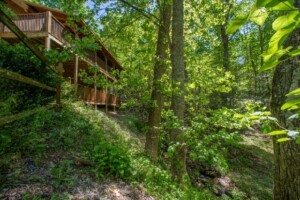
(144, 13)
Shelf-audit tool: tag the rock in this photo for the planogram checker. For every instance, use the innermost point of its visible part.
(218, 190)
(225, 182)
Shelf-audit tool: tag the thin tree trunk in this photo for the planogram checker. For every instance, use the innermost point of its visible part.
(253, 65)
(226, 97)
(160, 67)
(287, 154)
(178, 160)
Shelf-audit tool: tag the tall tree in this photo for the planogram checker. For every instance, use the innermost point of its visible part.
(286, 154)
(178, 162)
(160, 67)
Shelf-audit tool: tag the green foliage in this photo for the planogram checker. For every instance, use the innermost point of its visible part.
(158, 182)
(14, 96)
(62, 174)
(111, 160)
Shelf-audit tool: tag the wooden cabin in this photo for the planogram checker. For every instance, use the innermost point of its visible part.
(47, 26)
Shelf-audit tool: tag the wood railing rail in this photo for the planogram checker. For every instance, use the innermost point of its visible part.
(57, 29)
(28, 23)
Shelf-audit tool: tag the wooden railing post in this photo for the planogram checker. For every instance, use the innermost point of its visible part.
(58, 90)
(48, 21)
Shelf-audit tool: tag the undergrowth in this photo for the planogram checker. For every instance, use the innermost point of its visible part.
(82, 132)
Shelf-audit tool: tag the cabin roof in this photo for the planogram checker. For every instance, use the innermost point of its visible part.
(22, 7)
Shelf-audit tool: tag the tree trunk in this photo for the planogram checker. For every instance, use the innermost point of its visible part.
(178, 160)
(287, 154)
(160, 67)
(227, 98)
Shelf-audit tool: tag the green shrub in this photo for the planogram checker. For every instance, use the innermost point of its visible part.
(111, 160)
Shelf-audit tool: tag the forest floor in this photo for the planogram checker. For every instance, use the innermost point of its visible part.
(60, 170)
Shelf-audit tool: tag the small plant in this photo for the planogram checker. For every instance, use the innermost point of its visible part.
(111, 160)
(62, 173)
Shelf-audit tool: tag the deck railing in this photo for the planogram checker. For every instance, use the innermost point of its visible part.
(28, 23)
(57, 29)
(89, 96)
(38, 22)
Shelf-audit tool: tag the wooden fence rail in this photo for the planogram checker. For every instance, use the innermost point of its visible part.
(12, 118)
(17, 77)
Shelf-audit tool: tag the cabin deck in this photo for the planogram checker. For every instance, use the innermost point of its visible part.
(46, 30)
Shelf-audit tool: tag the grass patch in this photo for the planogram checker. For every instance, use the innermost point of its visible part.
(250, 167)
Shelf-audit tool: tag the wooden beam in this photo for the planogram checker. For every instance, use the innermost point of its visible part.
(9, 23)
(8, 35)
(17, 77)
(12, 118)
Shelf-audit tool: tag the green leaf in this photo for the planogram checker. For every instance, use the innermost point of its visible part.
(262, 3)
(236, 24)
(275, 4)
(285, 21)
(295, 52)
(280, 5)
(259, 16)
(278, 132)
(276, 42)
(283, 139)
(290, 104)
(298, 140)
(192, 85)
(294, 92)
(269, 65)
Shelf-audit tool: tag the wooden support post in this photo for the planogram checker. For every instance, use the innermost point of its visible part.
(106, 99)
(48, 21)
(58, 90)
(47, 43)
(76, 76)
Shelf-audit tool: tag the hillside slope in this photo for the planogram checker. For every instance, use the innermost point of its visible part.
(80, 153)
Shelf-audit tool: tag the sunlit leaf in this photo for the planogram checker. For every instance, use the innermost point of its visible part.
(295, 52)
(284, 21)
(259, 16)
(280, 5)
(269, 65)
(254, 117)
(278, 132)
(192, 85)
(294, 92)
(236, 24)
(290, 103)
(283, 139)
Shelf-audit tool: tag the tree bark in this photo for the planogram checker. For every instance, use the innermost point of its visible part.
(178, 162)
(287, 154)
(160, 67)
(226, 97)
